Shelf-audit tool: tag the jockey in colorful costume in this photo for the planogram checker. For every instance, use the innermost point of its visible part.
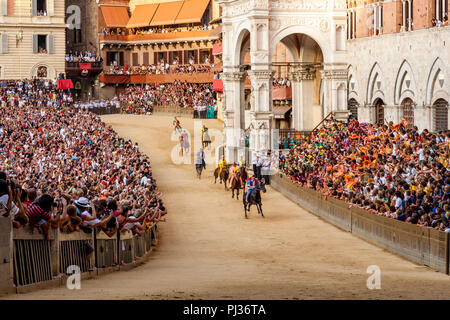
(176, 124)
(252, 185)
(222, 164)
(234, 168)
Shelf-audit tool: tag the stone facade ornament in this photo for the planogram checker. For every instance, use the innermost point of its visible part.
(338, 74)
(319, 23)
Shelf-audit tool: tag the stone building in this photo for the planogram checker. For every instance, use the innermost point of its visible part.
(398, 62)
(32, 38)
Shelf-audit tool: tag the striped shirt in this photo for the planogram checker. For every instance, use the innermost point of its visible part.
(36, 214)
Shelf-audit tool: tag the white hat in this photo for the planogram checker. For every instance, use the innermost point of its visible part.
(82, 202)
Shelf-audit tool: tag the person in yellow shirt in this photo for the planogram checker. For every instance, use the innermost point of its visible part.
(222, 164)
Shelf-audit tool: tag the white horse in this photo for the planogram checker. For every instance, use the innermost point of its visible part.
(184, 142)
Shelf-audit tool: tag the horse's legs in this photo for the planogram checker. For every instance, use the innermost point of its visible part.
(237, 197)
(232, 193)
(245, 209)
(260, 209)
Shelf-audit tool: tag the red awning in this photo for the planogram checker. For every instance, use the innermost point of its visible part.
(64, 84)
(218, 85)
(85, 66)
(217, 49)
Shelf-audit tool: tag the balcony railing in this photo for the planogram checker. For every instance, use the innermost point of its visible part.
(92, 66)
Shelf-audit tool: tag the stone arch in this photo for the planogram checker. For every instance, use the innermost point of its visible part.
(241, 44)
(312, 33)
(379, 111)
(375, 85)
(353, 106)
(405, 83)
(437, 83)
(51, 72)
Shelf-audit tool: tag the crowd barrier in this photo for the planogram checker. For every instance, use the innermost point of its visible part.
(421, 245)
(29, 262)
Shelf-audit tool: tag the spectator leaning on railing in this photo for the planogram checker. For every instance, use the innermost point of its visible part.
(62, 167)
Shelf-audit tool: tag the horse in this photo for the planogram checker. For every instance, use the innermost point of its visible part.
(206, 140)
(244, 174)
(254, 199)
(236, 184)
(223, 176)
(199, 168)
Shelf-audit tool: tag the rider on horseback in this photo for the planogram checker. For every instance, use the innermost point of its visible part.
(253, 184)
(222, 164)
(234, 168)
(176, 124)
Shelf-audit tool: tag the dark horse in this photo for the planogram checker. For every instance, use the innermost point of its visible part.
(244, 174)
(255, 199)
(199, 168)
(223, 176)
(236, 184)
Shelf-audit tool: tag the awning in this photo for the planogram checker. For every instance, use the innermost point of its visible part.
(218, 85)
(217, 49)
(114, 16)
(192, 11)
(279, 112)
(166, 13)
(64, 84)
(142, 15)
(216, 31)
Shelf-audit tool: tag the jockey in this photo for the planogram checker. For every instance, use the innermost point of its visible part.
(176, 123)
(251, 186)
(222, 164)
(234, 168)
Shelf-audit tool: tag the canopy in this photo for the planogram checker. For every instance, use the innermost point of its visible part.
(114, 16)
(142, 15)
(279, 112)
(166, 13)
(192, 11)
(64, 84)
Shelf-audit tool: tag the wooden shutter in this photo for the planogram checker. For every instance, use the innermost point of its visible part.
(4, 43)
(34, 7)
(4, 8)
(145, 59)
(121, 62)
(186, 57)
(195, 56)
(51, 44)
(170, 57)
(35, 43)
(155, 57)
(50, 8)
(180, 57)
(165, 57)
(135, 59)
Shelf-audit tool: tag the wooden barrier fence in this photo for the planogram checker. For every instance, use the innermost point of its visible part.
(28, 261)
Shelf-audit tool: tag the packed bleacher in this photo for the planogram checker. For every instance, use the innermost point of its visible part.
(142, 99)
(84, 56)
(159, 68)
(61, 167)
(391, 170)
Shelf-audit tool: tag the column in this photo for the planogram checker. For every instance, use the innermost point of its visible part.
(437, 9)
(233, 82)
(302, 83)
(380, 18)
(354, 24)
(261, 109)
(375, 20)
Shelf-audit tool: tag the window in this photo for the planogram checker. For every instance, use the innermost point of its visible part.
(39, 8)
(42, 72)
(77, 35)
(351, 25)
(135, 59)
(42, 43)
(377, 19)
(441, 11)
(407, 15)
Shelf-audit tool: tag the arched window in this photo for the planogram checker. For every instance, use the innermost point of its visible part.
(353, 108)
(408, 111)
(379, 112)
(440, 108)
(42, 72)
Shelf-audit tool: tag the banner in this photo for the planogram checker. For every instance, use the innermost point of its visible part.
(64, 84)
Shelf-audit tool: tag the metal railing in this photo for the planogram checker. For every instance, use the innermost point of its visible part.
(35, 260)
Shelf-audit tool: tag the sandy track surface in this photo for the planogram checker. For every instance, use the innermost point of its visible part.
(209, 251)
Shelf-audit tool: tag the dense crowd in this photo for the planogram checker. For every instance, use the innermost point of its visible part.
(142, 99)
(36, 93)
(281, 82)
(85, 56)
(151, 30)
(63, 168)
(390, 170)
(159, 68)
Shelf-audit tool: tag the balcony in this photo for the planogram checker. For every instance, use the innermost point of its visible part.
(76, 67)
(158, 37)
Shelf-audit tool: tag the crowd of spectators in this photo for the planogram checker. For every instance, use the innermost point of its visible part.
(392, 170)
(151, 30)
(440, 23)
(35, 92)
(281, 82)
(84, 56)
(142, 99)
(61, 167)
(160, 68)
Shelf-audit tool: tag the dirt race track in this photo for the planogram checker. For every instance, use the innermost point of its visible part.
(209, 251)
